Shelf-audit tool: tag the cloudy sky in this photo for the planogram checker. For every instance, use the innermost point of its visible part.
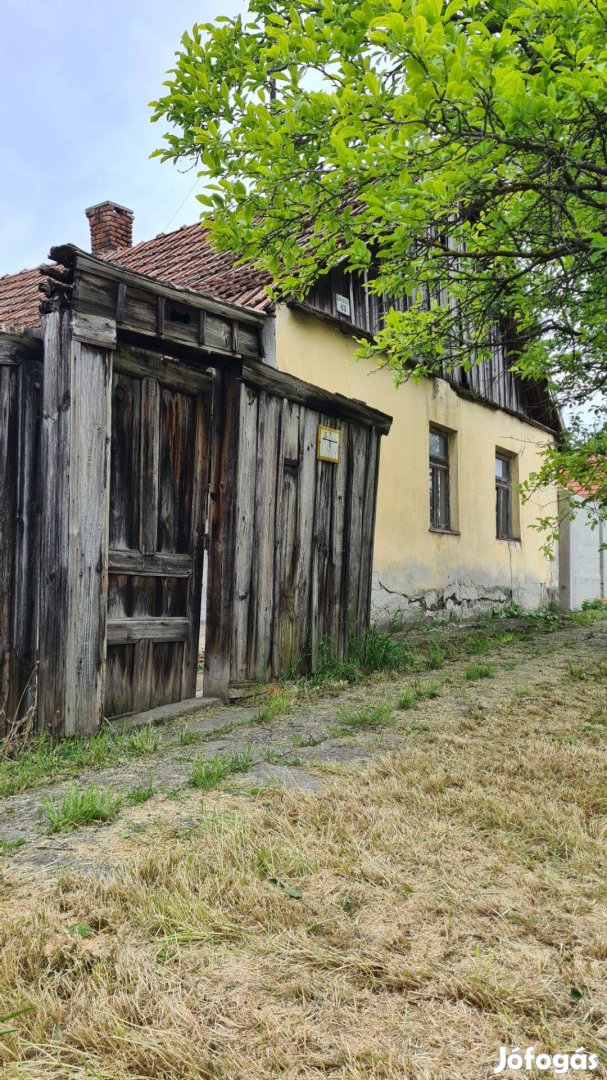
(76, 77)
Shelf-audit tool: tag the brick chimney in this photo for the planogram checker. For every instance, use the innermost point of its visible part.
(111, 227)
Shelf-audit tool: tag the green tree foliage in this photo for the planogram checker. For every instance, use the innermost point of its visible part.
(457, 151)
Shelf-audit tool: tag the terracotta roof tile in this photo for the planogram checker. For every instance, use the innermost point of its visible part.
(20, 300)
(184, 257)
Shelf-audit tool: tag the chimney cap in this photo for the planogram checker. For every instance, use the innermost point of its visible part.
(108, 202)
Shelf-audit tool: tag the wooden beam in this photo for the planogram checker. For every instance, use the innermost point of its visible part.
(160, 302)
(124, 631)
(169, 371)
(120, 301)
(69, 255)
(222, 530)
(94, 330)
(279, 383)
(157, 565)
(75, 494)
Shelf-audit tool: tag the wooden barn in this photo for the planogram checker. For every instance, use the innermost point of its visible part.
(140, 437)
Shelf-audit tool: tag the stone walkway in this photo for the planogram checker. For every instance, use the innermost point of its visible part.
(296, 750)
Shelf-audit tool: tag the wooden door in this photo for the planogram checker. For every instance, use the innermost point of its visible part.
(158, 491)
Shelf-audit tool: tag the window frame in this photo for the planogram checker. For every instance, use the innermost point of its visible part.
(438, 465)
(503, 486)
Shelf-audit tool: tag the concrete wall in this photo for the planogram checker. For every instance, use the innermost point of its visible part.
(581, 562)
(415, 569)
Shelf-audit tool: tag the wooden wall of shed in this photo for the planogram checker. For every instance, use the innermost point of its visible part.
(304, 536)
(20, 409)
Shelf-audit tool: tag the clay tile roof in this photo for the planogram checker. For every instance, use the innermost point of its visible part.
(184, 257)
(20, 300)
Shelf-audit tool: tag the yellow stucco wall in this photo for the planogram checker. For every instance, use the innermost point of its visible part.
(410, 562)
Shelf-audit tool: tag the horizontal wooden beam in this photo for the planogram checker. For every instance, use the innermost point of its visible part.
(346, 327)
(279, 383)
(133, 562)
(94, 330)
(125, 631)
(70, 255)
(170, 371)
(15, 347)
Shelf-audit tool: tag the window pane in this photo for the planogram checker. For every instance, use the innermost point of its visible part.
(502, 467)
(502, 495)
(443, 500)
(439, 497)
(438, 445)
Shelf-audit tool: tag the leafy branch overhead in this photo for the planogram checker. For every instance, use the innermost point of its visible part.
(432, 144)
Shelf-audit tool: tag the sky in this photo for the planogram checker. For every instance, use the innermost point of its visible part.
(76, 79)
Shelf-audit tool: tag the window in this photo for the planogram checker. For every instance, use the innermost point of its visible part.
(503, 497)
(439, 480)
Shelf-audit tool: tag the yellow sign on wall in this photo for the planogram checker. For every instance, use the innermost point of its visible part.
(328, 444)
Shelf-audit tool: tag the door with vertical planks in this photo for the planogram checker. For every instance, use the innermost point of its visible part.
(158, 493)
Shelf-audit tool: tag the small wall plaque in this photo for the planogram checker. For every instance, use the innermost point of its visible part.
(328, 444)
(342, 304)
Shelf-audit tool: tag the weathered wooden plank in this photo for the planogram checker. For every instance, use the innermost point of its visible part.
(89, 268)
(222, 530)
(367, 532)
(120, 301)
(16, 347)
(288, 483)
(160, 564)
(322, 576)
(8, 499)
(200, 478)
(282, 384)
(268, 427)
(94, 330)
(354, 523)
(274, 660)
(176, 443)
(125, 480)
(144, 605)
(121, 631)
(170, 372)
(56, 453)
(166, 676)
(336, 628)
(27, 525)
(164, 314)
(75, 469)
(118, 697)
(150, 456)
(242, 624)
(87, 556)
(308, 430)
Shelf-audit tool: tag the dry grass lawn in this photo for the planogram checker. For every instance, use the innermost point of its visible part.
(402, 923)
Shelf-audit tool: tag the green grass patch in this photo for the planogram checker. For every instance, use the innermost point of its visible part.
(43, 758)
(356, 718)
(271, 755)
(306, 740)
(276, 704)
(8, 846)
(480, 671)
(418, 692)
(208, 772)
(365, 654)
(81, 806)
(139, 795)
(189, 738)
